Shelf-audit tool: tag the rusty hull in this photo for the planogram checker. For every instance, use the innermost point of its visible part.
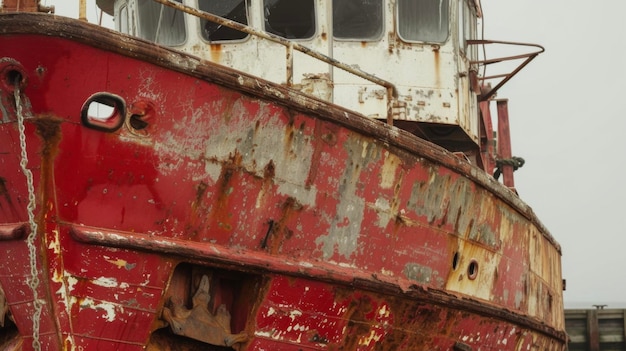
(248, 213)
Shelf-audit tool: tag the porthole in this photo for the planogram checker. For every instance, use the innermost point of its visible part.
(472, 270)
(103, 111)
(455, 261)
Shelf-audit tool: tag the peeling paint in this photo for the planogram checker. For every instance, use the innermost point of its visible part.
(106, 282)
(419, 273)
(108, 308)
(389, 170)
(54, 244)
(346, 225)
(121, 263)
(335, 187)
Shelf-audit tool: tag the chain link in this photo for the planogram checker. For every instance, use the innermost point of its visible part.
(32, 249)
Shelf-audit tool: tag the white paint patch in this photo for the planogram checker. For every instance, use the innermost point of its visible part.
(67, 285)
(293, 314)
(106, 282)
(271, 311)
(386, 272)
(303, 196)
(109, 308)
(55, 245)
(263, 334)
(389, 170)
(383, 209)
(71, 281)
(383, 311)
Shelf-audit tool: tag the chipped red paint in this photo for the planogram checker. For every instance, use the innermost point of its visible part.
(318, 229)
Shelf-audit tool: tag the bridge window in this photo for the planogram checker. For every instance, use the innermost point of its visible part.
(123, 20)
(234, 10)
(292, 19)
(467, 28)
(423, 20)
(357, 19)
(160, 23)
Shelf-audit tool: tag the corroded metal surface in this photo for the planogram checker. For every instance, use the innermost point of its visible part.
(198, 322)
(316, 229)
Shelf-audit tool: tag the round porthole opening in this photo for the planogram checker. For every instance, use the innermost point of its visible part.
(455, 261)
(472, 270)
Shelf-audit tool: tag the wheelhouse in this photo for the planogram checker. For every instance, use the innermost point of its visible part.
(423, 47)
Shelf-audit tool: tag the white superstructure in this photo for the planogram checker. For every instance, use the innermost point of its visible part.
(418, 45)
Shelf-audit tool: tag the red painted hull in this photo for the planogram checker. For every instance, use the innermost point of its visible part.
(316, 229)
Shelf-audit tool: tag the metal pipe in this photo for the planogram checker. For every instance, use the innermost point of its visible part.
(507, 76)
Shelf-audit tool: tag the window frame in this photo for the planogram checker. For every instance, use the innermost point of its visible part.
(371, 39)
(467, 29)
(448, 26)
(315, 22)
(184, 26)
(247, 37)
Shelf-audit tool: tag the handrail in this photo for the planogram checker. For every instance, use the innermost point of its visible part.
(392, 91)
(507, 76)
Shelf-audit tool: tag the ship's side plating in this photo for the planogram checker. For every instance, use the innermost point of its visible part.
(209, 208)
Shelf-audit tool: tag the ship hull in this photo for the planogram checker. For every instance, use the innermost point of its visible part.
(211, 210)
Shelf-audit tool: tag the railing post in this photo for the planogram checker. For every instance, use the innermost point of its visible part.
(504, 141)
(390, 105)
(289, 65)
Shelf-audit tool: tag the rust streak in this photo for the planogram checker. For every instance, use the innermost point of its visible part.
(219, 213)
(317, 154)
(278, 231)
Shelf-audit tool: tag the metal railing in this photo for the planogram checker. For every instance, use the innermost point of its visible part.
(506, 76)
(392, 92)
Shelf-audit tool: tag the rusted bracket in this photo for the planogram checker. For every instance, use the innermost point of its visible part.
(198, 322)
(527, 57)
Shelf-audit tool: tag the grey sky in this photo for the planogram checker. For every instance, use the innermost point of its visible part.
(567, 112)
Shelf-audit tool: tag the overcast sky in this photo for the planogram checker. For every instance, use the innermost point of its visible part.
(568, 116)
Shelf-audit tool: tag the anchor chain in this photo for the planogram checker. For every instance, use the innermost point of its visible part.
(32, 250)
